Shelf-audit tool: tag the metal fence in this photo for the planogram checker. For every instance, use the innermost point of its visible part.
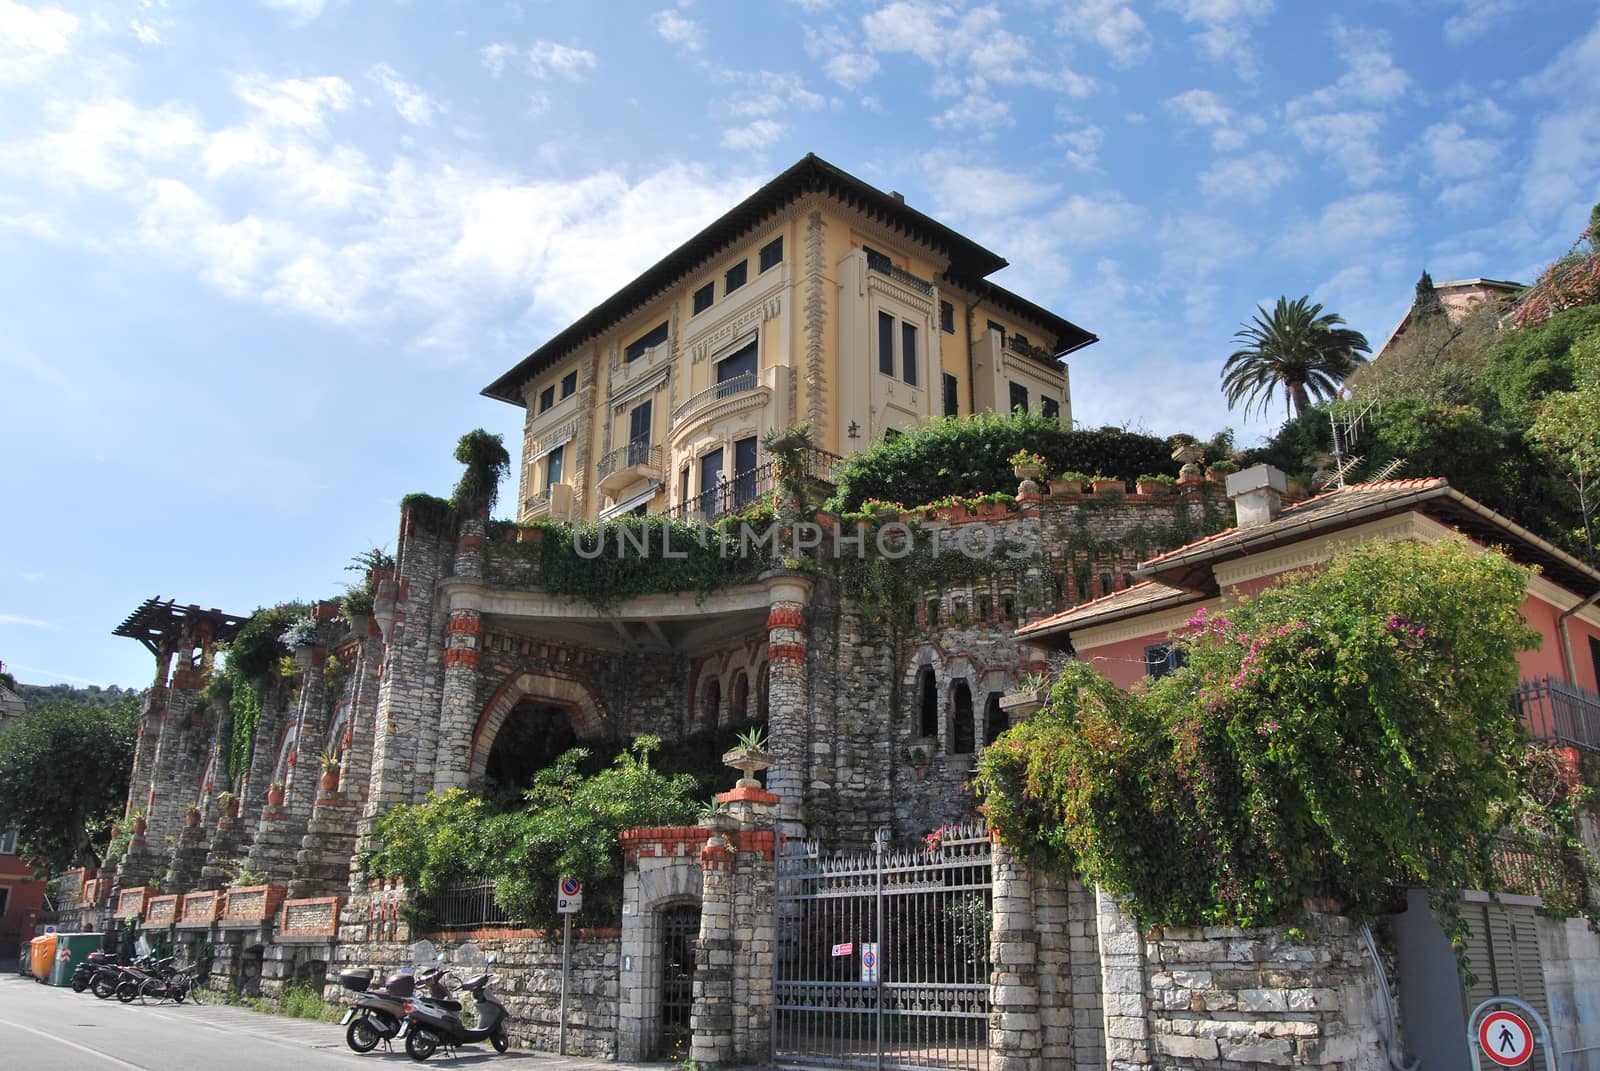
(883, 956)
(467, 905)
(732, 496)
(1560, 713)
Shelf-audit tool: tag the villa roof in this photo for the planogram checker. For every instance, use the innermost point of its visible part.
(1188, 573)
(970, 263)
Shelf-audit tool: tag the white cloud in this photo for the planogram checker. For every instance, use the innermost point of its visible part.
(953, 41)
(904, 26)
(550, 59)
(414, 105)
(975, 112)
(1565, 155)
(960, 189)
(1083, 146)
(300, 103)
(758, 135)
(674, 29)
(30, 41)
(1370, 79)
(1351, 226)
(1200, 106)
(1086, 220)
(1251, 177)
(25, 622)
(1224, 29)
(300, 11)
(851, 69)
(146, 33)
(1477, 17)
(1455, 155)
(1111, 24)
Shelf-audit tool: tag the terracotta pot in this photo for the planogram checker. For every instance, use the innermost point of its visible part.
(192, 818)
(330, 780)
(274, 797)
(139, 826)
(233, 808)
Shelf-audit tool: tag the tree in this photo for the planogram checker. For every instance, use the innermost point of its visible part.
(1567, 431)
(63, 778)
(1297, 347)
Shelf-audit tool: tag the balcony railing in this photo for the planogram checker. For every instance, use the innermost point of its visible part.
(638, 452)
(1560, 713)
(467, 905)
(732, 496)
(726, 389)
(540, 500)
(883, 266)
(1531, 866)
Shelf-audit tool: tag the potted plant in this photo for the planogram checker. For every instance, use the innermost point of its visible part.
(1029, 696)
(1156, 485)
(228, 804)
(357, 607)
(191, 817)
(1104, 484)
(1218, 471)
(714, 817)
(749, 755)
(919, 755)
(275, 794)
(1068, 483)
(329, 761)
(1026, 464)
(137, 819)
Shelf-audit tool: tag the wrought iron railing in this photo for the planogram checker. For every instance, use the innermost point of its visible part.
(726, 389)
(732, 496)
(1559, 713)
(539, 498)
(467, 905)
(637, 452)
(1531, 866)
(884, 266)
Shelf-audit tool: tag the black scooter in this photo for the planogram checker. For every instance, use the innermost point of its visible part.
(432, 1028)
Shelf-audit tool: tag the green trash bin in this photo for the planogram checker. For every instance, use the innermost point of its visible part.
(71, 950)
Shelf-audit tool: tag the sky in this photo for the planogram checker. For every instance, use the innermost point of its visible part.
(257, 259)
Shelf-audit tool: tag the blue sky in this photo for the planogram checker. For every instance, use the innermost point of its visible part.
(257, 259)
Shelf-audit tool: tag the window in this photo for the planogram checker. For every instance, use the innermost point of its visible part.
(569, 384)
(963, 734)
(683, 485)
(547, 398)
(952, 401)
(997, 327)
(703, 296)
(8, 842)
(744, 472)
(735, 277)
(648, 342)
(710, 472)
(927, 700)
(553, 462)
(995, 720)
(908, 348)
(947, 318)
(741, 363)
(1161, 659)
(772, 254)
(639, 426)
(1049, 408)
(1019, 397)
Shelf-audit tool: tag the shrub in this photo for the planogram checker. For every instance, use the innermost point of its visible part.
(1341, 734)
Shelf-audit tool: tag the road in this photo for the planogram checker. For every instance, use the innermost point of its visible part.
(55, 1029)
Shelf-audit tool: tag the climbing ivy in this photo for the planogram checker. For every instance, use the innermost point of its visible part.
(245, 703)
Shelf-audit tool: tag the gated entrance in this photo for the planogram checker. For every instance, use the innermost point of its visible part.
(680, 927)
(883, 956)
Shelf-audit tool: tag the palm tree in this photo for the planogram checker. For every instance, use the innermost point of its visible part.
(1298, 347)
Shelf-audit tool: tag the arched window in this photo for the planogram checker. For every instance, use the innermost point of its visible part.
(962, 731)
(710, 702)
(995, 720)
(739, 701)
(928, 703)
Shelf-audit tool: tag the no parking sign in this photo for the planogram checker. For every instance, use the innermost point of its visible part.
(869, 961)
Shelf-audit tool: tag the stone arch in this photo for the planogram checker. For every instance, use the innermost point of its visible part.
(707, 713)
(655, 886)
(739, 697)
(923, 684)
(588, 718)
(963, 735)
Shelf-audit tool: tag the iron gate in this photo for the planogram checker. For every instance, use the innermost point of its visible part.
(883, 956)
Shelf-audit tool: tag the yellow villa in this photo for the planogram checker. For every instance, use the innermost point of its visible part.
(819, 298)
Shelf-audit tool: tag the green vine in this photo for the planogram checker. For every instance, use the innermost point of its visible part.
(486, 463)
(245, 703)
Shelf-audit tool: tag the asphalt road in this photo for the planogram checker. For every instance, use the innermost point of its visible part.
(55, 1029)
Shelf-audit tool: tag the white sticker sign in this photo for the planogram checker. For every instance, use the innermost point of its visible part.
(869, 961)
(569, 896)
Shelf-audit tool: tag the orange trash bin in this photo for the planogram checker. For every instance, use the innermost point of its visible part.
(42, 956)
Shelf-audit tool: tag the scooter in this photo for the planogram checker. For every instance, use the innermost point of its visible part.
(433, 1028)
(380, 1014)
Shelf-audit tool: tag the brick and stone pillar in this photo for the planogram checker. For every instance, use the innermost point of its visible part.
(788, 727)
(278, 835)
(711, 1020)
(1127, 1022)
(1014, 1038)
(458, 713)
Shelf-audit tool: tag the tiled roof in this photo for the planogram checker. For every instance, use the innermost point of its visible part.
(1143, 597)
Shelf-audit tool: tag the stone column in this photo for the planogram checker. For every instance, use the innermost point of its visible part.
(1014, 1037)
(277, 837)
(711, 1020)
(1127, 1012)
(458, 713)
(788, 727)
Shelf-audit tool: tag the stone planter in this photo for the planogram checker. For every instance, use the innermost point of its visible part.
(360, 625)
(1106, 486)
(302, 657)
(1066, 487)
(1154, 489)
(192, 818)
(1026, 472)
(749, 761)
(330, 780)
(1021, 704)
(275, 797)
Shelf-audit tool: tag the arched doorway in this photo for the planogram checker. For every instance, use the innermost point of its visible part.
(546, 694)
(927, 704)
(739, 701)
(680, 929)
(533, 735)
(962, 732)
(995, 720)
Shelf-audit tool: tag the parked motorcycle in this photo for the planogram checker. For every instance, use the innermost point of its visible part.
(432, 1028)
(111, 974)
(380, 1014)
(83, 974)
(135, 979)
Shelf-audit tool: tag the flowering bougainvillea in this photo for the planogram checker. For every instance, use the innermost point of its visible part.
(1343, 734)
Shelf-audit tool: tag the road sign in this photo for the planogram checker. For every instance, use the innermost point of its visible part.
(869, 961)
(569, 896)
(1506, 1038)
(846, 949)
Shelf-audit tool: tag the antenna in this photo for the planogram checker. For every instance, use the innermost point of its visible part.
(1346, 432)
(1388, 470)
(1347, 466)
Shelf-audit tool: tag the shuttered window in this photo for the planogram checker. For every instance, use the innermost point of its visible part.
(1503, 952)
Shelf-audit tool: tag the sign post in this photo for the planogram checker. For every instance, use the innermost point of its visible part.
(569, 898)
(1506, 1036)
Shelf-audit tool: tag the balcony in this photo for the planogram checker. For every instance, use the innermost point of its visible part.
(1559, 713)
(627, 464)
(719, 392)
(883, 266)
(733, 496)
(537, 506)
